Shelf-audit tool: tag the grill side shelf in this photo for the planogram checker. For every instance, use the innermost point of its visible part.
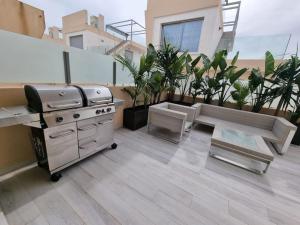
(18, 115)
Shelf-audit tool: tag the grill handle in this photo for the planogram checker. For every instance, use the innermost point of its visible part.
(87, 144)
(100, 101)
(88, 127)
(62, 134)
(64, 105)
(105, 122)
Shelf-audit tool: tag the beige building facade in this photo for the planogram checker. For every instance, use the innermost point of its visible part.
(18, 17)
(162, 17)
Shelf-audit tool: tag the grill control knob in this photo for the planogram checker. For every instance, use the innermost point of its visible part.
(59, 119)
(76, 115)
(108, 109)
(98, 111)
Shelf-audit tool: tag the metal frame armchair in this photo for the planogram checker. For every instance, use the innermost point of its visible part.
(171, 117)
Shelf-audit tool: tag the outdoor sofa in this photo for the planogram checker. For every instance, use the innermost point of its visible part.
(174, 119)
(275, 130)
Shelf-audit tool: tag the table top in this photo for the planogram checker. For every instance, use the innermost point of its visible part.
(240, 142)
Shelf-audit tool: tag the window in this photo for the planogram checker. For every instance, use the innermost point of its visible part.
(184, 35)
(76, 41)
(128, 55)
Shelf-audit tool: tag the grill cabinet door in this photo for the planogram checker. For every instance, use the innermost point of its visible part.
(87, 136)
(62, 145)
(94, 134)
(105, 131)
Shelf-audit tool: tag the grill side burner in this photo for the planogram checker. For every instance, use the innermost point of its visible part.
(76, 121)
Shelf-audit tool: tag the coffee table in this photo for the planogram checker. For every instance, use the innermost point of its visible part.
(241, 149)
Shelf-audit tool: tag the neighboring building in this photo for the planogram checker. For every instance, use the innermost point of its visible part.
(18, 17)
(78, 32)
(193, 25)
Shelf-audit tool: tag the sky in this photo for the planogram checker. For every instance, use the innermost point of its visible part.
(257, 17)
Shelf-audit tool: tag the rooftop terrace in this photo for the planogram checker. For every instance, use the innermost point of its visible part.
(151, 181)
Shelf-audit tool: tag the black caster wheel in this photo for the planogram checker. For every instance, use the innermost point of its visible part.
(114, 146)
(55, 177)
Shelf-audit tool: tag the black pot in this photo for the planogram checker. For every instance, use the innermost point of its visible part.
(134, 119)
(296, 139)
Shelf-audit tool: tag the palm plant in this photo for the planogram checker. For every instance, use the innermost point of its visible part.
(139, 75)
(171, 65)
(155, 86)
(240, 94)
(261, 88)
(286, 78)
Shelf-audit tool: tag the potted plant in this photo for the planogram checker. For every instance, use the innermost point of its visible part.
(226, 75)
(240, 94)
(286, 81)
(136, 116)
(204, 83)
(190, 67)
(262, 91)
(171, 63)
(155, 85)
(197, 85)
(286, 76)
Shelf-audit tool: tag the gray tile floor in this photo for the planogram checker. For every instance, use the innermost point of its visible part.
(148, 180)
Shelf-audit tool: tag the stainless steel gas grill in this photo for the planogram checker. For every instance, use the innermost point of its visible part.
(76, 122)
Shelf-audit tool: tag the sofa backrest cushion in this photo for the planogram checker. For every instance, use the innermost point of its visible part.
(238, 116)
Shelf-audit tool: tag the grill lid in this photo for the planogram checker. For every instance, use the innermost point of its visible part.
(95, 94)
(46, 98)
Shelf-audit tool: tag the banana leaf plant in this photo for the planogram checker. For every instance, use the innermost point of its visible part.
(139, 75)
(286, 77)
(227, 75)
(190, 66)
(262, 89)
(240, 94)
(204, 84)
(171, 64)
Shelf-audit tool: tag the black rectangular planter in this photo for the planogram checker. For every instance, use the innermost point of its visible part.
(296, 139)
(134, 119)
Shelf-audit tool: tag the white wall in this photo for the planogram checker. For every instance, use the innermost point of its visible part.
(210, 33)
(92, 40)
(100, 44)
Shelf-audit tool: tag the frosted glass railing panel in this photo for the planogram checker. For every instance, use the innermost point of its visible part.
(123, 76)
(254, 47)
(90, 67)
(29, 60)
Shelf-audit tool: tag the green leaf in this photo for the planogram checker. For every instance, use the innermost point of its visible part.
(235, 58)
(196, 61)
(269, 63)
(223, 64)
(235, 76)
